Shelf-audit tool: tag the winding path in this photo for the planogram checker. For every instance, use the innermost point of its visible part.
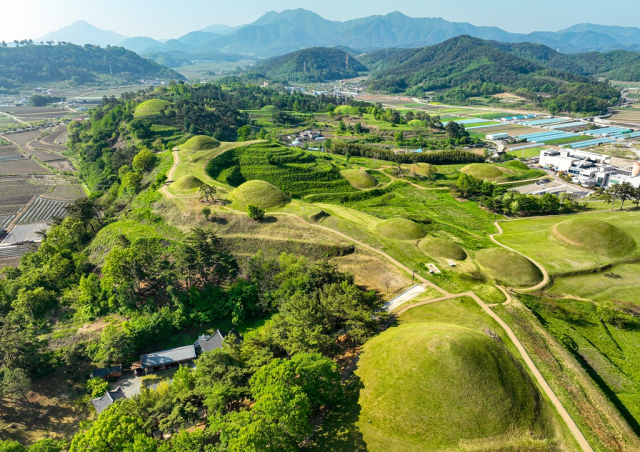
(575, 431)
(176, 162)
(545, 275)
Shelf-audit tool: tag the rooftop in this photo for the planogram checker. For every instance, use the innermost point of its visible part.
(105, 371)
(175, 355)
(102, 403)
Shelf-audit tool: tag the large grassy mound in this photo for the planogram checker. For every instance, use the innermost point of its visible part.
(295, 172)
(400, 229)
(484, 171)
(359, 179)
(200, 143)
(509, 268)
(259, 193)
(600, 237)
(445, 387)
(437, 247)
(346, 110)
(270, 109)
(151, 107)
(188, 182)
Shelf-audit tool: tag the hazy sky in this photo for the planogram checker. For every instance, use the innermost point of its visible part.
(22, 19)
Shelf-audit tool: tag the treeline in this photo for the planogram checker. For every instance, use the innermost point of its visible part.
(450, 157)
(501, 200)
(78, 64)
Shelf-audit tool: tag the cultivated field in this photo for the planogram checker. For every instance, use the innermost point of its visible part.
(22, 167)
(627, 115)
(43, 210)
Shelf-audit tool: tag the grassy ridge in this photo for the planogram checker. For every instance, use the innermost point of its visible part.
(296, 173)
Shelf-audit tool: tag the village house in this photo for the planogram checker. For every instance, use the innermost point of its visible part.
(102, 403)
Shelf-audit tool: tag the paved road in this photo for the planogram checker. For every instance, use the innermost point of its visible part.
(408, 295)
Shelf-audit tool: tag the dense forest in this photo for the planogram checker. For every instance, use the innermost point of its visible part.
(79, 64)
(317, 64)
(472, 67)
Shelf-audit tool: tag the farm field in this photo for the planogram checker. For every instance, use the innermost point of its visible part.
(435, 351)
(627, 115)
(32, 114)
(22, 167)
(528, 153)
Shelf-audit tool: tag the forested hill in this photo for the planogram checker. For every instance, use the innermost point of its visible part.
(317, 64)
(82, 64)
(473, 67)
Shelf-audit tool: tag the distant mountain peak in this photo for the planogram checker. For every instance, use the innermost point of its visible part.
(82, 32)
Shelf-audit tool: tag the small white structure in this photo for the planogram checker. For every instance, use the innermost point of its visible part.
(451, 263)
(498, 136)
(433, 269)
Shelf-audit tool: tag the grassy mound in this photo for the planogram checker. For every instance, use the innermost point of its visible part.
(437, 247)
(516, 165)
(600, 237)
(259, 193)
(201, 143)
(417, 123)
(270, 109)
(295, 172)
(484, 171)
(346, 110)
(400, 229)
(188, 182)
(509, 268)
(359, 179)
(151, 107)
(439, 387)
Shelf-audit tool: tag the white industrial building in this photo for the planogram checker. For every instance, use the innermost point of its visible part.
(589, 169)
(564, 159)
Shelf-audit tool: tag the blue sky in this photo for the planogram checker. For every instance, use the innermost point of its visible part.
(171, 18)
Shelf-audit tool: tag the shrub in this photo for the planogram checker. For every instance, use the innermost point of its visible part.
(255, 212)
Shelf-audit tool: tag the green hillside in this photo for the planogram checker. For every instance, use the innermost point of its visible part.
(295, 172)
(82, 64)
(317, 64)
(472, 67)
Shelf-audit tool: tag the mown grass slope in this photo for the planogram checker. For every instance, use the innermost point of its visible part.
(597, 236)
(359, 178)
(200, 143)
(258, 193)
(438, 386)
(295, 172)
(509, 268)
(187, 183)
(151, 107)
(400, 229)
(438, 247)
(485, 171)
